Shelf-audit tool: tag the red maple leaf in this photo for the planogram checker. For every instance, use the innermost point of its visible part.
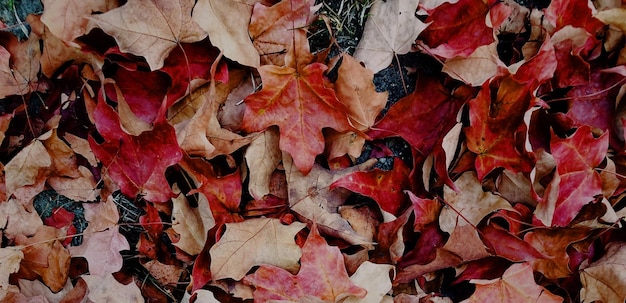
(136, 163)
(497, 130)
(322, 275)
(457, 29)
(299, 103)
(576, 183)
(412, 116)
(575, 13)
(385, 187)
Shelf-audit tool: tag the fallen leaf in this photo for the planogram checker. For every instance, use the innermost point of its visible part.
(275, 29)
(391, 29)
(457, 29)
(322, 275)
(261, 241)
(150, 29)
(411, 117)
(497, 127)
(67, 19)
(355, 88)
(17, 219)
(191, 223)
(10, 258)
(516, 285)
(385, 187)
(134, 167)
(44, 257)
(576, 182)
(262, 156)
(299, 103)
(470, 201)
(475, 69)
(165, 274)
(310, 197)
(19, 66)
(102, 251)
(28, 168)
(603, 280)
(375, 279)
(554, 244)
(106, 289)
(226, 22)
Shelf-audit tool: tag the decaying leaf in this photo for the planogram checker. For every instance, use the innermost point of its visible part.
(262, 241)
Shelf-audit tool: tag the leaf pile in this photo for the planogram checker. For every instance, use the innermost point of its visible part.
(198, 151)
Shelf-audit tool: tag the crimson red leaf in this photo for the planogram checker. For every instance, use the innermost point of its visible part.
(412, 117)
(575, 13)
(497, 130)
(136, 163)
(504, 244)
(299, 103)
(576, 182)
(190, 61)
(385, 187)
(457, 29)
(143, 91)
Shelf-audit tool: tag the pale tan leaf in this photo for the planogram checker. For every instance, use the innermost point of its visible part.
(471, 201)
(66, 18)
(17, 220)
(475, 69)
(605, 279)
(10, 258)
(255, 242)
(102, 251)
(375, 279)
(227, 21)
(27, 167)
(390, 29)
(106, 289)
(191, 224)
(151, 28)
(262, 156)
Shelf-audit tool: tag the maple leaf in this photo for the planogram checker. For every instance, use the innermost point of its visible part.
(151, 28)
(19, 66)
(385, 187)
(355, 89)
(102, 251)
(67, 18)
(263, 156)
(135, 168)
(516, 285)
(476, 68)
(575, 183)
(18, 219)
(48, 259)
(603, 280)
(27, 168)
(554, 243)
(226, 22)
(261, 241)
(191, 223)
(10, 258)
(374, 278)
(274, 29)
(577, 13)
(311, 198)
(470, 201)
(390, 30)
(299, 103)
(222, 192)
(322, 275)
(411, 117)
(106, 289)
(426, 210)
(457, 29)
(189, 62)
(497, 127)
